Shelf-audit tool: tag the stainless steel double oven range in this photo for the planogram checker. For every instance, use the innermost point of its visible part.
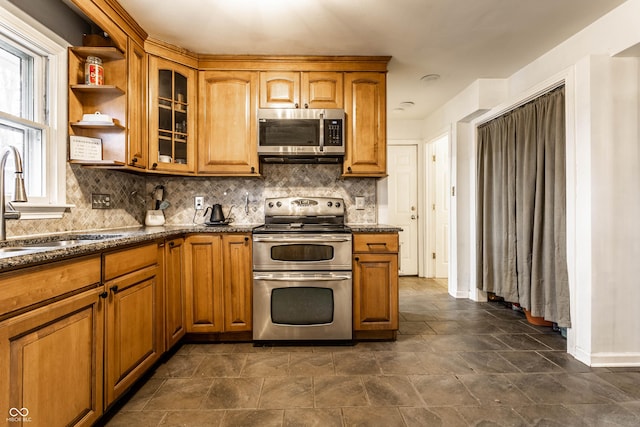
(302, 278)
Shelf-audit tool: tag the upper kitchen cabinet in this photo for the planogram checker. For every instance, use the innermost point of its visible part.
(227, 140)
(109, 99)
(172, 116)
(121, 96)
(365, 108)
(137, 149)
(292, 89)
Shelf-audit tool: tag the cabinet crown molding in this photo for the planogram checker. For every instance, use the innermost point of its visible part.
(293, 62)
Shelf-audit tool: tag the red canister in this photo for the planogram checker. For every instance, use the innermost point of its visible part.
(93, 71)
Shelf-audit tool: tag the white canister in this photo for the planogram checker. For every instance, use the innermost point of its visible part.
(154, 217)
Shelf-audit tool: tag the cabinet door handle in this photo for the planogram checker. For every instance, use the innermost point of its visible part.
(114, 289)
(357, 258)
(306, 105)
(349, 169)
(172, 244)
(153, 166)
(246, 239)
(134, 160)
(103, 295)
(297, 106)
(253, 169)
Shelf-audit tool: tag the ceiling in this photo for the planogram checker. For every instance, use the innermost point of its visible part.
(459, 40)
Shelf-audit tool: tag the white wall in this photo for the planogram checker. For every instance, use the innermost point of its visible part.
(403, 129)
(603, 195)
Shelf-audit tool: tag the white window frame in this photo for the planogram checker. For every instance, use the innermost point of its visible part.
(17, 24)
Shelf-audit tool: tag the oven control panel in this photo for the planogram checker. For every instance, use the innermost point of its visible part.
(304, 206)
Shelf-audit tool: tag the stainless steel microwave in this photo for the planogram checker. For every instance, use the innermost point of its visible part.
(299, 134)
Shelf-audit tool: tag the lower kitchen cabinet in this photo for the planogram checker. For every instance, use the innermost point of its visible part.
(51, 357)
(237, 281)
(218, 283)
(134, 316)
(174, 316)
(375, 282)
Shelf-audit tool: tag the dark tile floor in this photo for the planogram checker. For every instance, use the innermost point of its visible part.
(455, 363)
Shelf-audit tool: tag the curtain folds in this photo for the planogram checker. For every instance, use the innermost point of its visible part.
(521, 209)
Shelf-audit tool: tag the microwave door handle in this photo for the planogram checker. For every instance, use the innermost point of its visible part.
(321, 132)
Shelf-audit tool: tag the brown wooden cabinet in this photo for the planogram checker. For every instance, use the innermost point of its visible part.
(218, 282)
(227, 135)
(133, 321)
(237, 282)
(366, 133)
(375, 282)
(122, 97)
(137, 141)
(174, 313)
(203, 283)
(51, 355)
(109, 99)
(172, 116)
(307, 89)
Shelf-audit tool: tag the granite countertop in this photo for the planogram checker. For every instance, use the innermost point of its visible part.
(91, 241)
(85, 242)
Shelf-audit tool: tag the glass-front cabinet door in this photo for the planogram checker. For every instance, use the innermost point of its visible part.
(172, 132)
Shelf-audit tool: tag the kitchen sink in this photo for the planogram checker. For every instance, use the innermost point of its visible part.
(29, 247)
(60, 243)
(16, 249)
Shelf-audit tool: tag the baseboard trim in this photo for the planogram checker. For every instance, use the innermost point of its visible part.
(608, 360)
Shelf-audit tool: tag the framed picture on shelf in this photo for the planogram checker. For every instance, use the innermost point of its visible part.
(85, 148)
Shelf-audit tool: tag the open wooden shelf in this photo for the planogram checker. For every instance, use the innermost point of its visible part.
(104, 53)
(97, 89)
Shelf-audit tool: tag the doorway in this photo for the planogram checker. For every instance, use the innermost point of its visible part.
(398, 202)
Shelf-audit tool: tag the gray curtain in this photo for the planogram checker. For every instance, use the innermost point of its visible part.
(521, 210)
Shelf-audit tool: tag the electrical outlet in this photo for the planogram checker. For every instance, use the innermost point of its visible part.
(360, 202)
(199, 203)
(100, 201)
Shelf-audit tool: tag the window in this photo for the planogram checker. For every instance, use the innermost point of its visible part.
(33, 112)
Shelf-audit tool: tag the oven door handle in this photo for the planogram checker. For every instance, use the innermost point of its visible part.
(285, 278)
(280, 239)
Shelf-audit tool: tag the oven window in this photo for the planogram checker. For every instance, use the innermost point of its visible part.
(302, 252)
(302, 306)
(289, 132)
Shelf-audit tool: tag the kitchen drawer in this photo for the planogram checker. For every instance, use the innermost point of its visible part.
(33, 285)
(375, 243)
(128, 260)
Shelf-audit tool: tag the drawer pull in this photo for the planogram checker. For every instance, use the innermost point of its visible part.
(103, 295)
(114, 289)
(384, 245)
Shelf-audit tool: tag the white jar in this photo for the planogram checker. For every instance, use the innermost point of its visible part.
(154, 217)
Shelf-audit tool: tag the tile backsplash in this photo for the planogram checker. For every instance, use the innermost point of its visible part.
(131, 196)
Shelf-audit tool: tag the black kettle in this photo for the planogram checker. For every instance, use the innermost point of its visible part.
(216, 213)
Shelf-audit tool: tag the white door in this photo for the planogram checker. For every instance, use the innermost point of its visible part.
(437, 223)
(442, 206)
(402, 202)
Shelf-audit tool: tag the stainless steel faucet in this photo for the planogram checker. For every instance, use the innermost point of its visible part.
(19, 195)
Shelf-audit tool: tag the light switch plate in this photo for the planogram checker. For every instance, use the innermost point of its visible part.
(100, 201)
(360, 202)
